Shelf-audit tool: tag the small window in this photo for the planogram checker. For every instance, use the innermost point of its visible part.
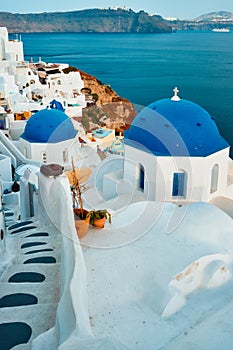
(214, 178)
(65, 156)
(179, 185)
(140, 176)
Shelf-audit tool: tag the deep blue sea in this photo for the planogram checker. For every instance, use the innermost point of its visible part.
(146, 67)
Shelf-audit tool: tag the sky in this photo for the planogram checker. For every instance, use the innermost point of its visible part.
(184, 9)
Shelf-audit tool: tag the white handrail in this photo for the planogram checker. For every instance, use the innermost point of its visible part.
(16, 156)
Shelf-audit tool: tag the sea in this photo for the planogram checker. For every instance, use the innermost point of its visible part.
(146, 67)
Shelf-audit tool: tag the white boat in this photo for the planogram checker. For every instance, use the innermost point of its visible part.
(221, 30)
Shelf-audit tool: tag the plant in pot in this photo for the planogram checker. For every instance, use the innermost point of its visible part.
(81, 215)
(98, 217)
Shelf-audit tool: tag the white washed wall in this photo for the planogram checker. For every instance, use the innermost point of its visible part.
(159, 174)
(54, 151)
(5, 168)
(55, 205)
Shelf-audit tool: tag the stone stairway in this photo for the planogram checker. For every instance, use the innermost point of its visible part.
(29, 286)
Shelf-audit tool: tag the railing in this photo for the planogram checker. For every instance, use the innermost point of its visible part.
(72, 313)
(16, 156)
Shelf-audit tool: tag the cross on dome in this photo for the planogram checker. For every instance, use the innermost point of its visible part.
(176, 90)
(175, 97)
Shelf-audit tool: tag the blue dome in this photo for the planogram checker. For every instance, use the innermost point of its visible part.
(49, 126)
(175, 128)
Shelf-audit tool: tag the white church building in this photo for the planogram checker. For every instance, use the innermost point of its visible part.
(49, 137)
(174, 152)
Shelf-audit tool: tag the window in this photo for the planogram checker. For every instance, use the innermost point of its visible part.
(65, 156)
(214, 178)
(140, 176)
(179, 184)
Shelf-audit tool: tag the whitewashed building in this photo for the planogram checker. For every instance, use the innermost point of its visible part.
(49, 137)
(173, 151)
(25, 86)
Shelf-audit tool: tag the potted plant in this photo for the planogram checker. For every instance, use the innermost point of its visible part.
(98, 217)
(81, 215)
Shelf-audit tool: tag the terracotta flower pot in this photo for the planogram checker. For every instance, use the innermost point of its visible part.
(99, 223)
(81, 224)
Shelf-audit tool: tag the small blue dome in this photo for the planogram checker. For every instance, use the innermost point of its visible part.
(175, 128)
(49, 126)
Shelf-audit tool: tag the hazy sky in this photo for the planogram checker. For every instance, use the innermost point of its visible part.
(172, 8)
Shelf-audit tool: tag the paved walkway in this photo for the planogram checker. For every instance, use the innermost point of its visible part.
(29, 285)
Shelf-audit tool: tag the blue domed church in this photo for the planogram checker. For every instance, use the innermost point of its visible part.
(173, 151)
(49, 137)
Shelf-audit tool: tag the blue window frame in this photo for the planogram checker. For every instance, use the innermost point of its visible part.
(179, 185)
(141, 180)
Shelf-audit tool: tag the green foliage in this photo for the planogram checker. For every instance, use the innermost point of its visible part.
(99, 214)
(95, 97)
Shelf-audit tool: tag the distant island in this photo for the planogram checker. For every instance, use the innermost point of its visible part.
(111, 20)
(209, 21)
(86, 21)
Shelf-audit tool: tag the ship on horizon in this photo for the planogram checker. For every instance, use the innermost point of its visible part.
(221, 30)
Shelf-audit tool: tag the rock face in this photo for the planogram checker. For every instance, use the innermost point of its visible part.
(104, 92)
(105, 106)
(94, 20)
(108, 109)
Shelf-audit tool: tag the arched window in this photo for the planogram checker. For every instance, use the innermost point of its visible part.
(179, 184)
(65, 155)
(214, 178)
(140, 177)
